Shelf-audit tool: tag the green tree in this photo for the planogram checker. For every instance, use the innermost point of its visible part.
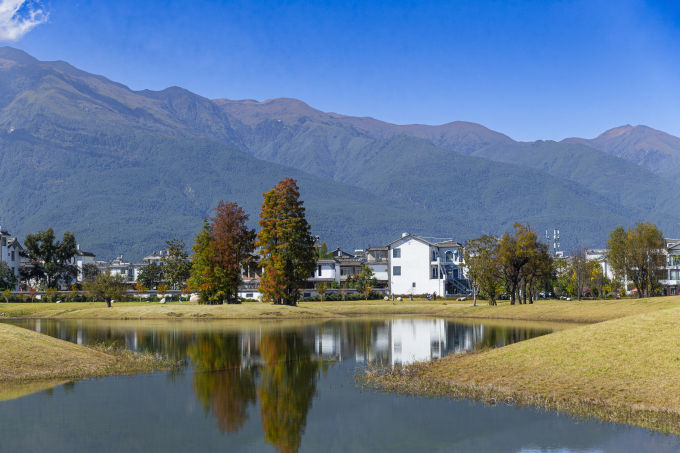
(6, 294)
(366, 281)
(481, 262)
(637, 254)
(514, 252)
(89, 271)
(221, 249)
(51, 294)
(322, 252)
(51, 261)
(106, 287)
(73, 294)
(286, 244)
(140, 289)
(538, 270)
(321, 288)
(7, 278)
(176, 265)
(151, 276)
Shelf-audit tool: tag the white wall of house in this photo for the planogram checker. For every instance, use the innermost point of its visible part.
(325, 270)
(9, 253)
(410, 268)
(381, 271)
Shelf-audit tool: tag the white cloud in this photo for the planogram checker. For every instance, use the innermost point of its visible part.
(18, 17)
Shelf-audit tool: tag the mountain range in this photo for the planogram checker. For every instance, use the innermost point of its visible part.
(126, 170)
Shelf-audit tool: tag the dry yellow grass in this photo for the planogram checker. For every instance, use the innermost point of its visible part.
(552, 310)
(625, 370)
(31, 356)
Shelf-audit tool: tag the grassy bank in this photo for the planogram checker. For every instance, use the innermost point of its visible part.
(551, 310)
(29, 357)
(625, 370)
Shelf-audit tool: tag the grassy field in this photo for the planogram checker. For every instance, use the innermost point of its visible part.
(32, 361)
(624, 370)
(550, 310)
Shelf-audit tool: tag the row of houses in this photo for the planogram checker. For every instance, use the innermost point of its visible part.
(671, 271)
(409, 265)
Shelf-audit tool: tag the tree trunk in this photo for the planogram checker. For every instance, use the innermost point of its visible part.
(524, 292)
(512, 293)
(474, 297)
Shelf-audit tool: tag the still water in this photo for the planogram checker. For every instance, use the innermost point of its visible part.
(288, 386)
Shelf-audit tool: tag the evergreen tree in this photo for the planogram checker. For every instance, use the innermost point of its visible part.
(286, 244)
(220, 249)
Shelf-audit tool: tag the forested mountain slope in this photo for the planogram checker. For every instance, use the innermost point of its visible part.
(654, 150)
(127, 170)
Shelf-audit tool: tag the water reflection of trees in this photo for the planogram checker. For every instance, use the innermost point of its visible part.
(225, 390)
(286, 377)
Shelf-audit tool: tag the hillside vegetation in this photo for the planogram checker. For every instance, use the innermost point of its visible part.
(126, 170)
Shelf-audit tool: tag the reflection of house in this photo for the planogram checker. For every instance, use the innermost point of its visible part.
(10, 251)
(418, 266)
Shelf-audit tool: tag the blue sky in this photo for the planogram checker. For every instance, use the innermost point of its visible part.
(532, 70)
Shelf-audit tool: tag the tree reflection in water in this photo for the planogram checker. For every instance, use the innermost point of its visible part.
(229, 383)
(224, 389)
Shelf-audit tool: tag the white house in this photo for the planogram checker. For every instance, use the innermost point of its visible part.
(10, 251)
(600, 255)
(418, 266)
(82, 259)
(672, 280)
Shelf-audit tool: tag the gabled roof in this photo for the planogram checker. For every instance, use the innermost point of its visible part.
(673, 244)
(408, 235)
(14, 243)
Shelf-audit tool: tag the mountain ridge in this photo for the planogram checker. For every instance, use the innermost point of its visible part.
(133, 168)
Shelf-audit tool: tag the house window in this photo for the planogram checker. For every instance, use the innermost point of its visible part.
(675, 274)
(414, 284)
(319, 271)
(449, 256)
(12, 270)
(396, 253)
(249, 295)
(434, 273)
(672, 291)
(12, 255)
(396, 270)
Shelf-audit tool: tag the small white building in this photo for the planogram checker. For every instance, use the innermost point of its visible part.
(10, 253)
(82, 259)
(418, 266)
(672, 280)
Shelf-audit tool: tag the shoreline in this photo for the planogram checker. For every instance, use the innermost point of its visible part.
(626, 370)
(583, 312)
(32, 360)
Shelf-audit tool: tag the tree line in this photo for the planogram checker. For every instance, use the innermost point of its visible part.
(519, 266)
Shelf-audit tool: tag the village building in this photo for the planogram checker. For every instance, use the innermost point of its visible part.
(671, 282)
(10, 253)
(419, 266)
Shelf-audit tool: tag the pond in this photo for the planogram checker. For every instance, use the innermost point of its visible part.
(288, 386)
